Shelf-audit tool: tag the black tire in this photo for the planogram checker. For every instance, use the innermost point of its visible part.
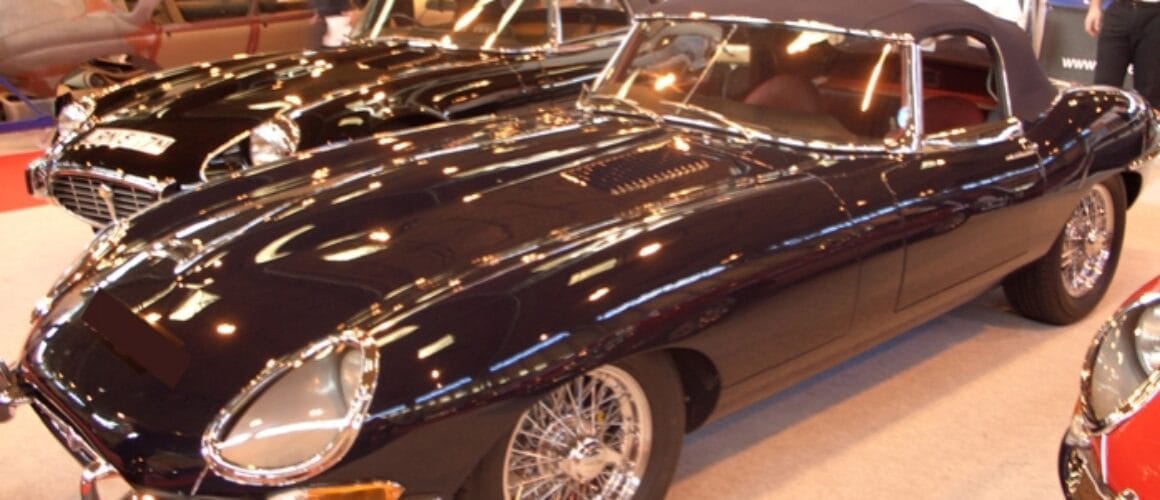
(658, 382)
(1055, 289)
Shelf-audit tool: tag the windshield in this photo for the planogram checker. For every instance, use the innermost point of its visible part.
(780, 80)
(486, 24)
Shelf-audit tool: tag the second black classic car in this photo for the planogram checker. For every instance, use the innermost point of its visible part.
(413, 62)
(540, 305)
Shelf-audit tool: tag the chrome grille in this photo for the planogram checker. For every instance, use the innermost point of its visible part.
(81, 194)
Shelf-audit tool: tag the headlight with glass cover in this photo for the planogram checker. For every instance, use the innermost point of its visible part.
(273, 140)
(1122, 371)
(95, 258)
(74, 118)
(298, 417)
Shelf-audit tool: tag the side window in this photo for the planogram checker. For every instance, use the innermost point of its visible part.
(272, 6)
(205, 10)
(961, 85)
(581, 18)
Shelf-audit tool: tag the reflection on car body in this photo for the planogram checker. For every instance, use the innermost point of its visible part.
(412, 63)
(557, 295)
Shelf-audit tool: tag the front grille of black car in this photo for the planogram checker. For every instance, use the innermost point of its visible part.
(80, 193)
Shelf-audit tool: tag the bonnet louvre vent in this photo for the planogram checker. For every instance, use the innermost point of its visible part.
(624, 174)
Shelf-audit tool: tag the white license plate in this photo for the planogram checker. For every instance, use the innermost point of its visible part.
(123, 138)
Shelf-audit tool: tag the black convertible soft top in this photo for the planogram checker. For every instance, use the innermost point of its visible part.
(1031, 92)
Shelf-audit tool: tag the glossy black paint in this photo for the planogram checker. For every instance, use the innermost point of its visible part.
(774, 262)
(543, 244)
(205, 107)
(333, 96)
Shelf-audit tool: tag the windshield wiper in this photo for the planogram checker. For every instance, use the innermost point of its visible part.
(617, 105)
(749, 134)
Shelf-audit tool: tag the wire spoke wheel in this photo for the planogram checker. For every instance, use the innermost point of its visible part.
(1065, 285)
(1087, 242)
(589, 438)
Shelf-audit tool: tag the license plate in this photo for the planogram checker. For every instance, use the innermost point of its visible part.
(123, 138)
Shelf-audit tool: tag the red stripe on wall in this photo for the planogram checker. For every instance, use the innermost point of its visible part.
(13, 194)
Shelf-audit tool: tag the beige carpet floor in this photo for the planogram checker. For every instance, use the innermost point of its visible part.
(969, 406)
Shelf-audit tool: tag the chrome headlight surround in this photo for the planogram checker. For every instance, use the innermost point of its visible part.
(345, 364)
(274, 140)
(74, 118)
(1122, 369)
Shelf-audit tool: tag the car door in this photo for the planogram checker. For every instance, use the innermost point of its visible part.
(204, 30)
(285, 25)
(966, 193)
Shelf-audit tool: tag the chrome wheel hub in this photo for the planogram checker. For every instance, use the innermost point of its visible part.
(587, 459)
(587, 439)
(1087, 244)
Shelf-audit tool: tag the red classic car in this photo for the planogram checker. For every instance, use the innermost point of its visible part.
(1109, 452)
(97, 42)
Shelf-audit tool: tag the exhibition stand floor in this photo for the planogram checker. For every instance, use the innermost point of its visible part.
(968, 406)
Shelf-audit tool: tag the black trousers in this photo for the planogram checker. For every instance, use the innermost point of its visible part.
(1130, 34)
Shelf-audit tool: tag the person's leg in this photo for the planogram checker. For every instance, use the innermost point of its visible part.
(1146, 54)
(1114, 48)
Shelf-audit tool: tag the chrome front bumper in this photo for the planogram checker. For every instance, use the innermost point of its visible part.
(36, 177)
(1080, 474)
(100, 479)
(10, 393)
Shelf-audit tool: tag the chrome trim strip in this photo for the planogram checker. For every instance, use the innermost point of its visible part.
(1005, 91)
(555, 24)
(912, 61)
(799, 23)
(138, 182)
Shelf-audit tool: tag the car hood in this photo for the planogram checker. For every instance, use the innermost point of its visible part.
(436, 252)
(210, 105)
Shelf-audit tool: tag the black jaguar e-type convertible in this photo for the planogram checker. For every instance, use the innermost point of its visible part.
(411, 62)
(540, 305)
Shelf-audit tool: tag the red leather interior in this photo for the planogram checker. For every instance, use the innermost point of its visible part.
(946, 112)
(787, 92)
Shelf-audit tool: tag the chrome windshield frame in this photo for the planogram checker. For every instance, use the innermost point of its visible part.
(905, 42)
